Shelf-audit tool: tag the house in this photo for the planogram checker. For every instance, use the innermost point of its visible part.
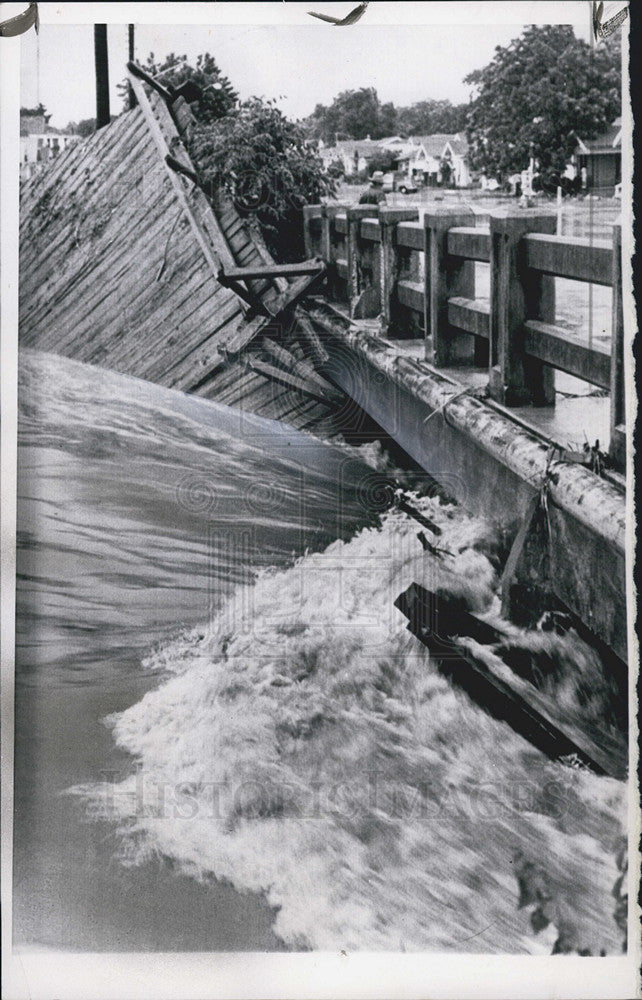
(455, 153)
(599, 160)
(39, 143)
(354, 155)
(427, 160)
(393, 142)
(439, 159)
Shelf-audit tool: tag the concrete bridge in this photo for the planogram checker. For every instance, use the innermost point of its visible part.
(467, 385)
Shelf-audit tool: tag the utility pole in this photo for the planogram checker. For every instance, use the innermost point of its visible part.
(102, 75)
(132, 96)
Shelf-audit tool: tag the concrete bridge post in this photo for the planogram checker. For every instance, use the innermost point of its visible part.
(518, 293)
(354, 216)
(617, 447)
(446, 277)
(388, 269)
(329, 244)
(312, 230)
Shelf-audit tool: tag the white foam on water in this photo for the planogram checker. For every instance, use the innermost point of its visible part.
(303, 745)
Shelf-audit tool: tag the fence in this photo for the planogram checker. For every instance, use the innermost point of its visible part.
(419, 278)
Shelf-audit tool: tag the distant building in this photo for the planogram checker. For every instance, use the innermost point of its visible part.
(427, 160)
(439, 159)
(599, 160)
(353, 155)
(39, 143)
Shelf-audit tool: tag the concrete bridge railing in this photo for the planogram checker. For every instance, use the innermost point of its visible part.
(419, 278)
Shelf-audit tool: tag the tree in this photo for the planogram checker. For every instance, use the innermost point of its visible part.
(85, 127)
(430, 116)
(536, 95)
(387, 120)
(249, 149)
(267, 165)
(218, 96)
(353, 114)
(382, 159)
(40, 109)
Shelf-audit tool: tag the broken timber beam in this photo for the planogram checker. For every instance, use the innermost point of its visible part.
(438, 623)
(302, 369)
(141, 74)
(246, 332)
(288, 380)
(211, 241)
(228, 275)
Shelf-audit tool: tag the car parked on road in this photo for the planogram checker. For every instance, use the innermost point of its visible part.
(398, 181)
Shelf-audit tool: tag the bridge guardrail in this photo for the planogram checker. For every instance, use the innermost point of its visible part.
(418, 276)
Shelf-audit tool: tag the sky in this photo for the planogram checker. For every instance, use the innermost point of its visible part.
(300, 64)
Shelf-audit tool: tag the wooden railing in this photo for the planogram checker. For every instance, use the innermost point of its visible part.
(419, 278)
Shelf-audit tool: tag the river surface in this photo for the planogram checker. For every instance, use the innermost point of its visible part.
(227, 739)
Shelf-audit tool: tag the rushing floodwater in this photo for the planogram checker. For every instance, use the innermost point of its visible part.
(281, 764)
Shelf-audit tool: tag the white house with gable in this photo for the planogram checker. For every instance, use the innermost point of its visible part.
(439, 159)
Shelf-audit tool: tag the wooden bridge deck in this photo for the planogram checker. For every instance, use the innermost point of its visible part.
(111, 274)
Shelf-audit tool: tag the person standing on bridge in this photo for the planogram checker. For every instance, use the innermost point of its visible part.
(375, 193)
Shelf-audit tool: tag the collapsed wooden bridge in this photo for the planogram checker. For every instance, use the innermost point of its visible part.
(128, 263)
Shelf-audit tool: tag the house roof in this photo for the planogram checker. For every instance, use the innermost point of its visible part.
(458, 143)
(435, 144)
(608, 142)
(350, 145)
(364, 147)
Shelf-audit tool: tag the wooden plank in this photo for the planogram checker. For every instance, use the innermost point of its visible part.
(560, 349)
(85, 291)
(208, 220)
(471, 242)
(471, 315)
(201, 350)
(87, 160)
(224, 208)
(58, 229)
(290, 381)
(341, 265)
(579, 258)
(341, 223)
(271, 271)
(260, 249)
(98, 306)
(80, 290)
(82, 158)
(143, 300)
(217, 255)
(303, 369)
(62, 187)
(167, 343)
